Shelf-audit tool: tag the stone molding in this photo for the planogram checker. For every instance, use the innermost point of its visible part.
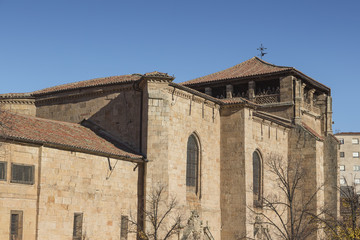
(18, 101)
(189, 96)
(310, 113)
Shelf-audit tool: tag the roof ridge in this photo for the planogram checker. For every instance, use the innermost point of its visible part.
(77, 82)
(271, 64)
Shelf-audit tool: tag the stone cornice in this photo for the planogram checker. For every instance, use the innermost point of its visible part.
(190, 96)
(272, 118)
(310, 113)
(18, 101)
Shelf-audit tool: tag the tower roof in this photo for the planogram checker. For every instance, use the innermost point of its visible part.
(251, 67)
(254, 67)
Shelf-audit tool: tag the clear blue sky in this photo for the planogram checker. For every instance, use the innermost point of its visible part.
(46, 43)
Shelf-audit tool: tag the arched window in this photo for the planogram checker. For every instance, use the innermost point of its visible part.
(257, 178)
(192, 163)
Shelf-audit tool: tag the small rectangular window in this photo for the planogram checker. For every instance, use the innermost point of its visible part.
(342, 181)
(16, 225)
(341, 140)
(2, 170)
(342, 167)
(356, 168)
(342, 154)
(357, 180)
(124, 227)
(355, 141)
(22, 174)
(355, 154)
(77, 228)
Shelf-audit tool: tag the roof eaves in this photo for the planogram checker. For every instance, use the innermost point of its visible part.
(278, 120)
(234, 78)
(316, 83)
(195, 92)
(75, 148)
(311, 131)
(40, 93)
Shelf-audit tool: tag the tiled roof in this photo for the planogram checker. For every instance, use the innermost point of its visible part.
(90, 83)
(15, 95)
(347, 133)
(60, 134)
(251, 67)
(312, 131)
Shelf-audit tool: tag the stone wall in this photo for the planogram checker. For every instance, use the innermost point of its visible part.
(20, 106)
(233, 189)
(70, 182)
(173, 115)
(15, 196)
(116, 109)
(75, 182)
(241, 135)
(313, 121)
(307, 150)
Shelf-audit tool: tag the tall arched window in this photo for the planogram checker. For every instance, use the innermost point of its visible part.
(257, 178)
(192, 163)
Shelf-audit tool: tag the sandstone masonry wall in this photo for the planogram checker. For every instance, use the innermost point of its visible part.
(241, 135)
(173, 115)
(74, 182)
(70, 182)
(117, 110)
(15, 196)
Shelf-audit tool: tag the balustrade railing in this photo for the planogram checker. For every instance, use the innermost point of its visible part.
(266, 99)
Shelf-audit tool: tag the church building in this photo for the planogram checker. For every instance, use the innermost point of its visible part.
(78, 160)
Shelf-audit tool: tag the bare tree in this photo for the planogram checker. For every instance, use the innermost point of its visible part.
(289, 211)
(161, 218)
(348, 225)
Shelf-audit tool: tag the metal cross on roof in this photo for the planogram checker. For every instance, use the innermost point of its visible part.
(262, 49)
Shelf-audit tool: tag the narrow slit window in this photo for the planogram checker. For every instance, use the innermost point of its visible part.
(2, 171)
(257, 179)
(192, 163)
(124, 227)
(16, 225)
(77, 228)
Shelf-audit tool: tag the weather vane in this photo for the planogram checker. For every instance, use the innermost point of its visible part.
(262, 49)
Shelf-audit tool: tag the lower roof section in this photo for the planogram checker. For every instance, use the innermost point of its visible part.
(63, 135)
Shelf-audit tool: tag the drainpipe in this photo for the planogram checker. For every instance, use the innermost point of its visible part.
(38, 193)
(141, 166)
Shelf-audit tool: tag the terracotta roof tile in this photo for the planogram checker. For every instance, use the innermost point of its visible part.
(62, 134)
(90, 83)
(251, 67)
(15, 95)
(313, 132)
(347, 133)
